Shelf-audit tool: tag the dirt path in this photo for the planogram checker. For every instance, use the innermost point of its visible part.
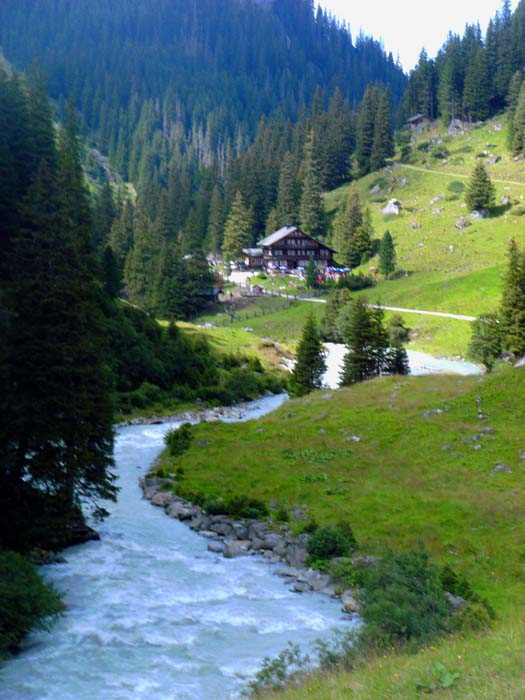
(462, 176)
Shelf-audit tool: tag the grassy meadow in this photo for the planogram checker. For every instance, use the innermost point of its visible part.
(435, 461)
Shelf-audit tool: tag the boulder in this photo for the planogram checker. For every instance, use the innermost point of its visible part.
(393, 207)
(456, 601)
(478, 214)
(414, 225)
(216, 547)
(462, 223)
(437, 199)
(162, 499)
(375, 190)
(181, 510)
(350, 604)
(296, 554)
(236, 548)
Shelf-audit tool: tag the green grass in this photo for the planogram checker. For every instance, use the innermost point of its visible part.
(451, 270)
(398, 486)
(413, 478)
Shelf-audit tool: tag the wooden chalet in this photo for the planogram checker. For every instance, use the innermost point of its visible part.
(289, 249)
(419, 122)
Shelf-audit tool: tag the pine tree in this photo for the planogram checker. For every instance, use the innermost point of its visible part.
(383, 144)
(366, 120)
(272, 222)
(311, 211)
(111, 274)
(480, 192)
(105, 214)
(486, 343)
(512, 101)
(142, 261)
(311, 274)
(215, 230)
(517, 125)
(288, 193)
(512, 313)
(121, 234)
(310, 365)
(237, 231)
(352, 230)
(387, 255)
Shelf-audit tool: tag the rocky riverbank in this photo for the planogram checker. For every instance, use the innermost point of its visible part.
(206, 414)
(234, 538)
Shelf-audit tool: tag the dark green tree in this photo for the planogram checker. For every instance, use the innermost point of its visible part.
(310, 365)
(311, 210)
(512, 312)
(366, 340)
(237, 231)
(365, 131)
(383, 143)
(480, 192)
(486, 342)
(387, 255)
(289, 192)
(311, 274)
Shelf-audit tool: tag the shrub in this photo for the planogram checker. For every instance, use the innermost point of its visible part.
(237, 506)
(403, 601)
(326, 543)
(344, 573)
(178, 440)
(345, 527)
(439, 152)
(26, 601)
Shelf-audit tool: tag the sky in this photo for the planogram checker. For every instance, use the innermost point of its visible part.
(406, 26)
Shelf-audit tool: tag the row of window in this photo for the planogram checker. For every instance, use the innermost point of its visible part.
(279, 253)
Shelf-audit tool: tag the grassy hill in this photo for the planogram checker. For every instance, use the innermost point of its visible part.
(452, 270)
(406, 461)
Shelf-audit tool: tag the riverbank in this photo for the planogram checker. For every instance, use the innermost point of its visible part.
(407, 461)
(152, 613)
(233, 538)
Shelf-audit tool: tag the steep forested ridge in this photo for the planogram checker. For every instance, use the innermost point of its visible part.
(471, 76)
(157, 79)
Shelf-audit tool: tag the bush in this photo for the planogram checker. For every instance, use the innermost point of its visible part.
(26, 601)
(345, 574)
(326, 543)
(178, 440)
(238, 507)
(403, 601)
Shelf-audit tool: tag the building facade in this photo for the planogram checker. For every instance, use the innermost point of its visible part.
(288, 249)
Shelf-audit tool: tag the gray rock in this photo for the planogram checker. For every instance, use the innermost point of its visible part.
(501, 468)
(236, 548)
(296, 554)
(301, 587)
(462, 223)
(456, 601)
(222, 529)
(327, 396)
(414, 225)
(216, 547)
(162, 499)
(404, 182)
(437, 199)
(437, 211)
(322, 431)
(181, 510)
(240, 531)
(375, 190)
(393, 207)
(479, 214)
(350, 604)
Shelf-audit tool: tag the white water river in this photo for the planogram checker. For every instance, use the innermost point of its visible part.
(420, 363)
(152, 615)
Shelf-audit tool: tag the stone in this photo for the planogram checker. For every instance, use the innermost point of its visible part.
(437, 199)
(350, 604)
(300, 587)
(327, 396)
(375, 190)
(181, 510)
(414, 225)
(322, 431)
(296, 554)
(222, 528)
(236, 548)
(492, 160)
(462, 223)
(404, 182)
(456, 601)
(393, 207)
(162, 499)
(437, 211)
(479, 214)
(216, 547)
(501, 468)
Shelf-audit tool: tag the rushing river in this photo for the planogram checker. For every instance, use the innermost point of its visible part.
(152, 615)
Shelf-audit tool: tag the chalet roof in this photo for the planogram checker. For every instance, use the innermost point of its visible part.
(277, 236)
(252, 252)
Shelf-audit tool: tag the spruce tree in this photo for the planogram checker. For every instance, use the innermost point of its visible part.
(311, 211)
(289, 192)
(104, 215)
(121, 234)
(387, 255)
(512, 102)
(352, 230)
(311, 274)
(480, 192)
(383, 143)
(517, 125)
(366, 340)
(237, 231)
(310, 365)
(366, 120)
(486, 343)
(512, 313)
(215, 230)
